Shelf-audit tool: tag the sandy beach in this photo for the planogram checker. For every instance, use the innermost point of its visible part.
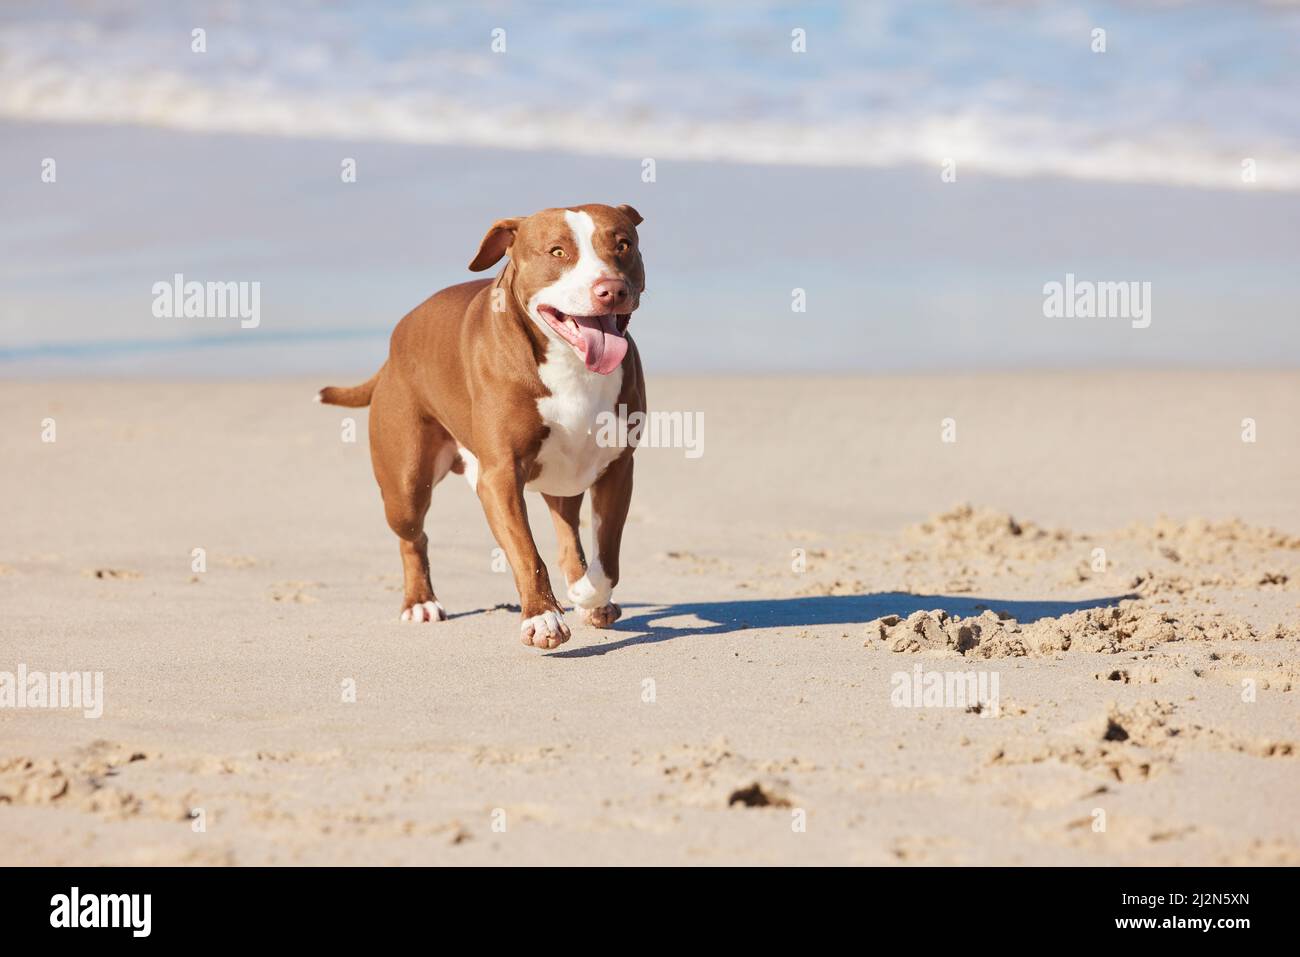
(744, 710)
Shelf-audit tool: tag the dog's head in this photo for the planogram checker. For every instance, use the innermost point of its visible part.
(578, 274)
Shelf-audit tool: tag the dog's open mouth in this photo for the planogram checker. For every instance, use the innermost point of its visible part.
(598, 340)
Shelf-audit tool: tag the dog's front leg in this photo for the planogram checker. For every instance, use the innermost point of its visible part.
(610, 498)
(501, 490)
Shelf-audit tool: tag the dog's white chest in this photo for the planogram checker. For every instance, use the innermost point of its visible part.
(578, 412)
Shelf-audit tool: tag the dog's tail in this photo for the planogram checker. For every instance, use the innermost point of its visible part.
(352, 396)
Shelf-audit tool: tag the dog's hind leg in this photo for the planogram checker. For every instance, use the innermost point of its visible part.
(610, 498)
(410, 455)
(564, 514)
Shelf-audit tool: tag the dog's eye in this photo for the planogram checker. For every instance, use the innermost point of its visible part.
(623, 246)
(558, 252)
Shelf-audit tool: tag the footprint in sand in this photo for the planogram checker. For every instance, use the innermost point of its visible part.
(294, 592)
(117, 574)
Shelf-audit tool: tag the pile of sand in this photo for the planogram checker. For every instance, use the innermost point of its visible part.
(1209, 542)
(1182, 557)
(1128, 626)
(966, 532)
(1170, 600)
(953, 550)
(84, 781)
(716, 775)
(1135, 743)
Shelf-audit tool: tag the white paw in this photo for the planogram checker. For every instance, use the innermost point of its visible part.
(593, 589)
(546, 630)
(428, 611)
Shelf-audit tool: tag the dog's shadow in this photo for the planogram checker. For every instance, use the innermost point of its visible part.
(644, 624)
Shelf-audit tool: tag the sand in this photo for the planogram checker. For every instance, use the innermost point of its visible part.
(269, 708)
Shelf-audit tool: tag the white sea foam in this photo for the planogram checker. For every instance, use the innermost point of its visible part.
(1178, 99)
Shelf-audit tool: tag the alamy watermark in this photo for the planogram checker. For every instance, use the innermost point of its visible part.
(655, 430)
(969, 690)
(1085, 299)
(179, 299)
(74, 909)
(53, 689)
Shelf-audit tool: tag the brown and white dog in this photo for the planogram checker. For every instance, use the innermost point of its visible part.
(503, 380)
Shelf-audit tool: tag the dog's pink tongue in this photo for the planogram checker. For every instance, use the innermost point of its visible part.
(602, 347)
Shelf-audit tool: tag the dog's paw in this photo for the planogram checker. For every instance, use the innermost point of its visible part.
(603, 617)
(425, 611)
(546, 630)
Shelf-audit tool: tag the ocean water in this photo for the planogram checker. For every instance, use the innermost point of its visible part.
(779, 176)
(1181, 93)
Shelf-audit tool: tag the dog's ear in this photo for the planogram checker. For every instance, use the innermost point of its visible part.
(498, 239)
(631, 214)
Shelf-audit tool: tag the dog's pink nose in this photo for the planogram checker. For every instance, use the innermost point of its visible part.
(610, 294)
